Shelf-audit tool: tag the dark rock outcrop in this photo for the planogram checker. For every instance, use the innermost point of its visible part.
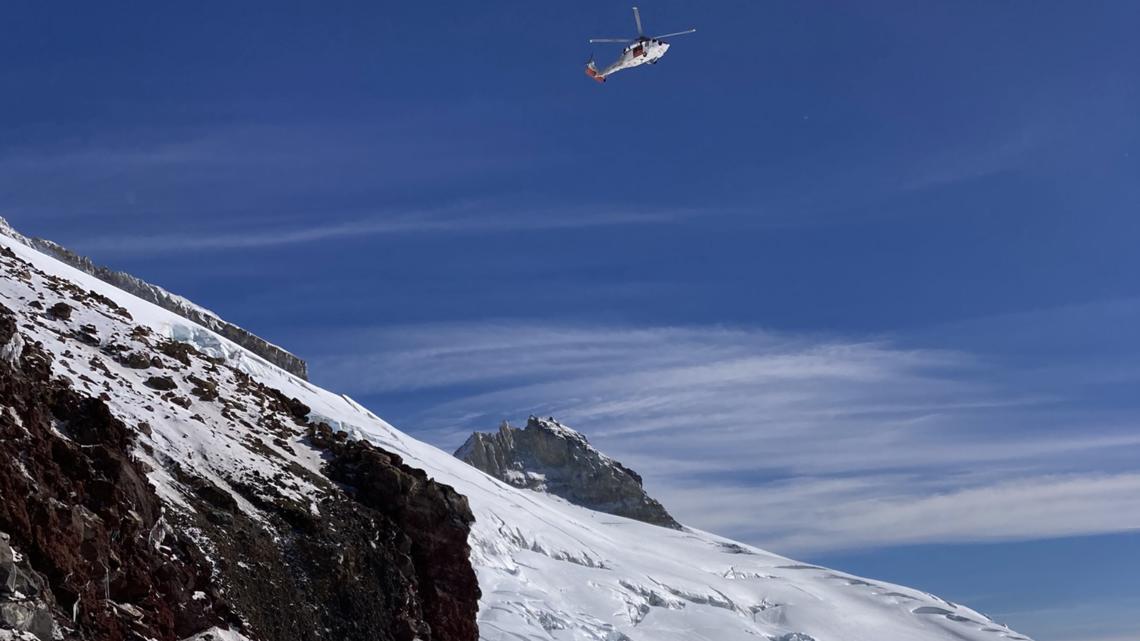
(549, 457)
(378, 551)
(383, 556)
(350, 573)
(76, 503)
(438, 517)
(165, 300)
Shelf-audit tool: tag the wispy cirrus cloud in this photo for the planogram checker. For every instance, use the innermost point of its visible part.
(246, 168)
(908, 508)
(794, 441)
(454, 220)
(247, 186)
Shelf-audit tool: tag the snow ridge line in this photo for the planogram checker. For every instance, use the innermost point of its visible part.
(164, 299)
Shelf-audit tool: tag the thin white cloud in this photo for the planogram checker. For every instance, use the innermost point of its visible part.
(876, 511)
(265, 185)
(277, 186)
(453, 220)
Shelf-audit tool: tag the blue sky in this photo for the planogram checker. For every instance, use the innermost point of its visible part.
(856, 283)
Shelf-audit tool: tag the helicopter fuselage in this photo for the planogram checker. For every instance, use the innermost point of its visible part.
(641, 51)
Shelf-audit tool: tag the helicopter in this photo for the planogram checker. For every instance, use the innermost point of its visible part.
(638, 51)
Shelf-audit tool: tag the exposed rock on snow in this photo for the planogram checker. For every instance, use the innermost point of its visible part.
(79, 506)
(165, 300)
(547, 456)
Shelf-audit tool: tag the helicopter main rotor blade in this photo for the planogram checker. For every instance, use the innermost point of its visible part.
(679, 33)
(621, 40)
(637, 19)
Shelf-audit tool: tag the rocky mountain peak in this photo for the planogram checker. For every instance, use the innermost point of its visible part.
(554, 428)
(547, 456)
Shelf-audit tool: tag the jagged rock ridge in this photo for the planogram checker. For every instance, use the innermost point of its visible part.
(164, 299)
(547, 456)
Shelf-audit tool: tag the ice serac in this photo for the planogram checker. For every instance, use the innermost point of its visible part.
(166, 300)
(158, 481)
(547, 456)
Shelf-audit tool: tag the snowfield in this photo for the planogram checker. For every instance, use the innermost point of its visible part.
(548, 570)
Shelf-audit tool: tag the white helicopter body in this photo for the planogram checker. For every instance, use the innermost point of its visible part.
(638, 51)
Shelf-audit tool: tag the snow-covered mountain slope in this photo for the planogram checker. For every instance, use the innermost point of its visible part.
(252, 518)
(159, 296)
(548, 570)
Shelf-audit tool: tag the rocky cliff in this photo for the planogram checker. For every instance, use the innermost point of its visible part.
(150, 491)
(547, 456)
(165, 300)
(76, 507)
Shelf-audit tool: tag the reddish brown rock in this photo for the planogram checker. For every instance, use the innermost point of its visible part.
(76, 503)
(435, 517)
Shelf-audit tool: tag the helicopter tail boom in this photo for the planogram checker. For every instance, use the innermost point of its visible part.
(592, 71)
